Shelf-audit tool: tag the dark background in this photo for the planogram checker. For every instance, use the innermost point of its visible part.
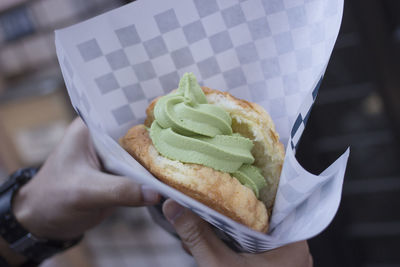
(359, 106)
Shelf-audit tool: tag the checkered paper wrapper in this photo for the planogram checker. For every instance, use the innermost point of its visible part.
(272, 52)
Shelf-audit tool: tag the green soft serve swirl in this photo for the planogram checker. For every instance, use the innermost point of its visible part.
(188, 129)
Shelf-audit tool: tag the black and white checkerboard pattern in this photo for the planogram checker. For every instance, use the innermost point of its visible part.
(230, 45)
(76, 90)
(302, 118)
(311, 207)
(272, 52)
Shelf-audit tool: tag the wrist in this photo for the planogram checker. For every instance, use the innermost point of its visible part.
(25, 214)
(22, 225)
(26, 209)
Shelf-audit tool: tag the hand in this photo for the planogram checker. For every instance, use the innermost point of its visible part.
(198, 237)
(70, 194)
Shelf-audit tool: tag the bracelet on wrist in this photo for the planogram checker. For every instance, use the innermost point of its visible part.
(19, 239)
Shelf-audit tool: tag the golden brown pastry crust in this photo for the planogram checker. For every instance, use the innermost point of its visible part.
(216, 189)
(213, 188)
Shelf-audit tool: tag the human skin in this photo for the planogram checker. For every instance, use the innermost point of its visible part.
(200, 241)
(71, 194)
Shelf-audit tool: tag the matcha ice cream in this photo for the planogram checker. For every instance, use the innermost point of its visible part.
(188, 129)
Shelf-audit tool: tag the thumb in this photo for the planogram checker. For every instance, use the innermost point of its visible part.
(197, 235)
(110, 190)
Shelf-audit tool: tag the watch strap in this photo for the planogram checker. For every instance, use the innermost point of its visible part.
(19, 239)
(10, 229)
(38, 250)
(3, 262)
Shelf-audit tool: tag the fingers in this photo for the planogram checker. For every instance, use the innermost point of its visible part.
(186, 249)
(310, 261)
(300, 253)
(78, 130)
(295, 254)
(197, 236)
(89, 186)
(76, 145)
(107, 190)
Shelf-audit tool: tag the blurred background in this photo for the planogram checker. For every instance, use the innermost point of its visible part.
(358, 106)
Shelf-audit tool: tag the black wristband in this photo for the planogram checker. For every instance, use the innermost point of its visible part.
(7, 190)
(19, 239)
(10, 229)
(3, 262)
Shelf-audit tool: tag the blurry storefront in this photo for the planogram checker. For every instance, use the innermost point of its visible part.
(34, 106)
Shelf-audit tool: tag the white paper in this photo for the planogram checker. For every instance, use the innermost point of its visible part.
(272, 52)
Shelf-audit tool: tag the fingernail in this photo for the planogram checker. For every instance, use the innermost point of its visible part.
(150, 196)
(172, 210)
